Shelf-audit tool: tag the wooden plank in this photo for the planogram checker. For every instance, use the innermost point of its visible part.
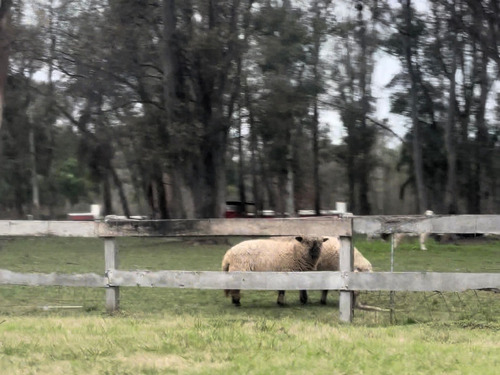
(228, 227)
(38, 228)
(52, 279)
(422, 224)
(346, 260)
(228, 280)
(256, 227)
(368, 281)
(110, 264)
(422, 281)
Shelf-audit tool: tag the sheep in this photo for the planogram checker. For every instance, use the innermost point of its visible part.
(294, 254)
(329, 261)
(422, 237)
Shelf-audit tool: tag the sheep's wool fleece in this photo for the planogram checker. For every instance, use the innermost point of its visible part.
(329, 259)
(270, 255)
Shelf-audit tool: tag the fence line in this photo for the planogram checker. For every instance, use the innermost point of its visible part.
(316, 280)
(344, 280)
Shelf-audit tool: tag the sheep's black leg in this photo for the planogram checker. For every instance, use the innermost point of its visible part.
(281, 297)
(324, 293)
(235, 297)
(303, 296)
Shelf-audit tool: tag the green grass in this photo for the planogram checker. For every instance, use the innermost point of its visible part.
(170, 331)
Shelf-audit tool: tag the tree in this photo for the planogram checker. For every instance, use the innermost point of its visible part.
(409, 38)
(283, 100)
(4, 50)
(320, 12)
(208, 62)
(352, 75)
(144, 106)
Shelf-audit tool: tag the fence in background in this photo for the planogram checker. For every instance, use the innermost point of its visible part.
(344, 280)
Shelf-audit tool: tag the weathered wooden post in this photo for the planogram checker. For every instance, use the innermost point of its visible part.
(111, 263)
(345, 265)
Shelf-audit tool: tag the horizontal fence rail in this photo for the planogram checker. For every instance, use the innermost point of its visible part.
(255, 227)
(345, 280)
(315, 280)
(179, 228)
(469, 224)
(52, 279)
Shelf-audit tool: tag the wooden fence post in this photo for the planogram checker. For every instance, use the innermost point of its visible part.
(346, 262)
(111, 263)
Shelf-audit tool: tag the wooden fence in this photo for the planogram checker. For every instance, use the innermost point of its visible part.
(344, 280)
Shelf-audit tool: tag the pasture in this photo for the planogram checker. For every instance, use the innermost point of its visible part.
(161, 331)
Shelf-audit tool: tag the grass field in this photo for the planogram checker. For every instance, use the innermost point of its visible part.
(169, 331)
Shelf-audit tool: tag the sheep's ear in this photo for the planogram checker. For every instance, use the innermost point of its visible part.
(325, 239)
(299, 238)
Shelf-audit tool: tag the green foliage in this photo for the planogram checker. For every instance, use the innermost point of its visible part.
(109, 63)
(70, 180)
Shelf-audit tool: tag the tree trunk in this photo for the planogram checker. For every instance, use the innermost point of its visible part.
(35, 191)
(289, 193)
(182, 202)
(256, 187)
(317, 34)
(169, 59)
(4, 50)
(465, 148)
(121, 192)
(450, 138)
(315, 135)
(172, 82)
(364, 170)
(216, 177)
(51, 107)
(268, 183)
(351, 179)
(106, 196)
(481, 142)
(35, 199)
(241, 168)
(416, 144)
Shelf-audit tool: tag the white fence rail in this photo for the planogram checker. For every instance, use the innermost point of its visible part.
(344, 280)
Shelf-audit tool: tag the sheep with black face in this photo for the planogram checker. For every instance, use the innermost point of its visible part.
(295, 254)
(329, 261)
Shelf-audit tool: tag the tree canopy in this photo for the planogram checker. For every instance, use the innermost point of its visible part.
(171, 108)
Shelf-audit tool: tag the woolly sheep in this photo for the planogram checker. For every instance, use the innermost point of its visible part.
(294, 254)
(329, 261)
